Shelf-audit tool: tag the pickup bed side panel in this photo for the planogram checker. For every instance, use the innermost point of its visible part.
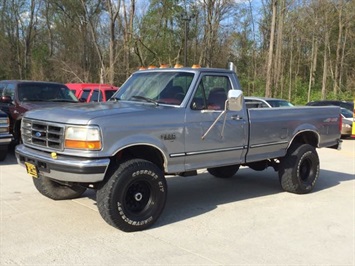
(273, 129)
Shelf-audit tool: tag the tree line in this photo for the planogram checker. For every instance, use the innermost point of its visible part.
(299, 50)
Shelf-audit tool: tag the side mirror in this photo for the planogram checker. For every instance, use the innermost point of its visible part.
(235, 100)
(6, 99)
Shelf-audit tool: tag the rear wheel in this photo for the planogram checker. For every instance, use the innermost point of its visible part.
(224, 171)
(134, 196)
(57, 191)
(299, 169)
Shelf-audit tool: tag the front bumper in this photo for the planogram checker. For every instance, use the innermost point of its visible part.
(63, 168)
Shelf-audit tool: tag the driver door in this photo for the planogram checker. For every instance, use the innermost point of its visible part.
(226, 142)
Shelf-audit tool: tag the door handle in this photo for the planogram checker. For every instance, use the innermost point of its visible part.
(236, 117)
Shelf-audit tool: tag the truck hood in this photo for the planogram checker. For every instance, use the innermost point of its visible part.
(83, 113)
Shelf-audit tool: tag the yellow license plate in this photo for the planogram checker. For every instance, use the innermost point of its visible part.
(31, 169)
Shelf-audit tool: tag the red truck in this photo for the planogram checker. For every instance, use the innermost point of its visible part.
(92, 92)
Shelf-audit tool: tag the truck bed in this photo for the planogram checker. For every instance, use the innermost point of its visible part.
(271, 130)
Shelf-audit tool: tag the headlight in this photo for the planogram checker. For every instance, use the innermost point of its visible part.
(85, 138)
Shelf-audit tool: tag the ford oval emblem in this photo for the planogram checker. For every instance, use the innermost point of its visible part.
(38, 134)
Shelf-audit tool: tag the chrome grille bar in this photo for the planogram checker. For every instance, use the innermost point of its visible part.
(42, 134)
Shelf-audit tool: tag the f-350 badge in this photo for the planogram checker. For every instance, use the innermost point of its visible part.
(168, 136)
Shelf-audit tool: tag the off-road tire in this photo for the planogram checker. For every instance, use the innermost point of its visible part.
(224, 171)
(57, 191)
(134, 195)
(299, 169)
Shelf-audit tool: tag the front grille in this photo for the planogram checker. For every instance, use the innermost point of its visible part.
(42, 134)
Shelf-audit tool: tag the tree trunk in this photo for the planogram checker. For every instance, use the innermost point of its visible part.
(325, 65)
(271, 50)
(338, 50)
(312, 70)
(112, 49)
(278, 50)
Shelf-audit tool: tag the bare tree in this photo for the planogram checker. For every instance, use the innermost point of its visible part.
(278, 84)
(271, 50)
(213, 13)
(113, 11)
(128, 17)
(92, 28)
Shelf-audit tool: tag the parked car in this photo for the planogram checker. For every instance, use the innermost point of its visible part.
(92, 92)
(344, 104)
(261, 102)
(347, 123)
(20, 96)
(5, 136)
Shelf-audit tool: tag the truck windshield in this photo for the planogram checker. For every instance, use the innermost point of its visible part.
(45, 93)
(157, 87)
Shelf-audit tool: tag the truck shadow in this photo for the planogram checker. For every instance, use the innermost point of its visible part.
(193, 196)
(10, 157)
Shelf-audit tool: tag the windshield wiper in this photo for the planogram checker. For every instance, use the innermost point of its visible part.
(145, 99)
(114, 99)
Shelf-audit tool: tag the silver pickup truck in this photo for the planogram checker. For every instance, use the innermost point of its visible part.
(171, 121)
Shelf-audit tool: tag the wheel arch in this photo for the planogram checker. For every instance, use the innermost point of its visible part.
(310, 137)
(144, 151)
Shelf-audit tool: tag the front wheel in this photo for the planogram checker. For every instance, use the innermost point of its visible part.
(299, 169)
(57, 191)
(134, 195)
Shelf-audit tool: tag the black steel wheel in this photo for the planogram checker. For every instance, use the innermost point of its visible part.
(299, 169)
(134, 195)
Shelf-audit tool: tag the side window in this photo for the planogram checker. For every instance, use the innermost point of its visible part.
(96, 96)
(211, 93)
(9, 90)
(84, 95)
(263, 105)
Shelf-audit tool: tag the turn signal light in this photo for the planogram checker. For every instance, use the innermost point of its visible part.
(79, 144)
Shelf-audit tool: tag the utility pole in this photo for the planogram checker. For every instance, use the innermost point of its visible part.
(186, 18)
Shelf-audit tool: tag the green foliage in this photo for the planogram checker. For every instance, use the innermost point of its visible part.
(161, 32)
(67, 42)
